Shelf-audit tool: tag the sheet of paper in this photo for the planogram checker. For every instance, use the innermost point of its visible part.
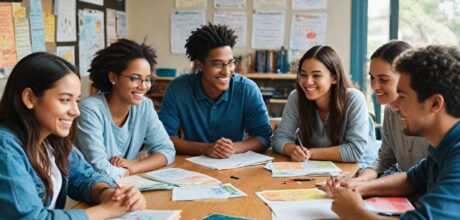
(190, 3)
(240, 4)
(307, 30)
(66, 20)
(269, 4)
(37, 32)
(49, 27)
(7, 41)
(236, 160)
(182, 25)
(111, 28)
(237, 21)
(151, 214)
(121, 24)
(95, 2)
(181, 177)
(308, 4)
(267, 30)
(91, 30)
(316, 168)
(223, 191)
(294, 195)
(143, 184)
(66, 52)
(388, 205)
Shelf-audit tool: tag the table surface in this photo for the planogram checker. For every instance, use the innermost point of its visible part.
(251, 179)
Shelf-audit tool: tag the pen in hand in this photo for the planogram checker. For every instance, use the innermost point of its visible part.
(299, 139)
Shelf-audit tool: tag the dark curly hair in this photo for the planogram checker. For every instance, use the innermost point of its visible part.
(208, 37)
(434, 69)
(391, 50)
(116, 59)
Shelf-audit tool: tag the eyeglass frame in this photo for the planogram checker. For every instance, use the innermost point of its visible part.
(219, 65)
(136, 81)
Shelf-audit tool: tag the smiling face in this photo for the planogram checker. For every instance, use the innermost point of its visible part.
(57, 108)
(383, 81)
(124, 89)
(316, 81)
(415, 116)
(216, 80)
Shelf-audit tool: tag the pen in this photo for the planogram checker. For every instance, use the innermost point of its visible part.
(235, 177)
(303, 179)
(299, 138)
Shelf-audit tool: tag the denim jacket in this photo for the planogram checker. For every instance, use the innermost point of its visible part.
(21, 189)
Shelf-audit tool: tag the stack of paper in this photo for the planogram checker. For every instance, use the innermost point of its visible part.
(151, 214)
(181, 177)
(298, 204)
(236, 160)
(143, 184)
(222, 191)
(311, 168)
(388, 205)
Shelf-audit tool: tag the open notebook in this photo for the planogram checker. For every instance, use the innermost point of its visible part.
(234, 161)
(144, 184)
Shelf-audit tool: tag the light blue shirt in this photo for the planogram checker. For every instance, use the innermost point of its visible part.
(22, 190)
(357, 142)
(238, 110)
(437, 180)
(99, 139)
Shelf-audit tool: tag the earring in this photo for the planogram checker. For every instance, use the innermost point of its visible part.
(113, 82)
(30, 106)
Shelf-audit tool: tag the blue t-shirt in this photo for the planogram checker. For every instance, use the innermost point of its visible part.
(99, 139)
(238, 110)
(437, 180)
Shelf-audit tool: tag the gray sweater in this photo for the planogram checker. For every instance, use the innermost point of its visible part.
(396, 147)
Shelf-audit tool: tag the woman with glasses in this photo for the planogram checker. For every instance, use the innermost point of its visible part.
(115, 123)
(39, 166)
(214, 106)
(324, 118)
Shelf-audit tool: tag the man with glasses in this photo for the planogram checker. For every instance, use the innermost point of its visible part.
(214, 107)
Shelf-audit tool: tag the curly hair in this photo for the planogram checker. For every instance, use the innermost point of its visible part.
(390, 50)
(116, 58)
(208, 37)
(434, 69)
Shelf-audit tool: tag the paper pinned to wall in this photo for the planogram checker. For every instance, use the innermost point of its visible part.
(308, 4)
(7, 42)
(49, 26)
(121, 24)
(91, 26)
(182, 24)
(240, 4)
(269, 4)
(237, 21)
(66, 52)
(190, 4)
(21, 31)
(37, 32)
(95, 2)
(111, 27)
(66, 20)
(307, 30)
(267, 30)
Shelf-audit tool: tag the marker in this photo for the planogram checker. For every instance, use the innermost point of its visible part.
(303, 179)
(235, 177)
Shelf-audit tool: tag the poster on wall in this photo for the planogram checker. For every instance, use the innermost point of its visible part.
(269, 4)
(111, 27)
(21, 31)
(91, 32)
(239, 4)
(66, 52)
(7, 43)
(267, 30)
(121, 24)
(307, 30)
(308, 4)
(182, 24)
(237, 21)
(37, 32)
(66, 20)
(184, 4)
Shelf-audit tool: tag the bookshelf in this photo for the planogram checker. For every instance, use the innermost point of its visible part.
(275, 89)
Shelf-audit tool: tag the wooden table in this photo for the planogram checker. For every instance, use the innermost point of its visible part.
(251, 179)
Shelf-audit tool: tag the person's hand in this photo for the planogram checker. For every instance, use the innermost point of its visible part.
(124, 163)
(300, 154)
(222, 148)
(130, 196)
(333, 183)
(348, 204)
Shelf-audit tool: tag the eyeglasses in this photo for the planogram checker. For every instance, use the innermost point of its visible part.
(137, 81)
(219, 65)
